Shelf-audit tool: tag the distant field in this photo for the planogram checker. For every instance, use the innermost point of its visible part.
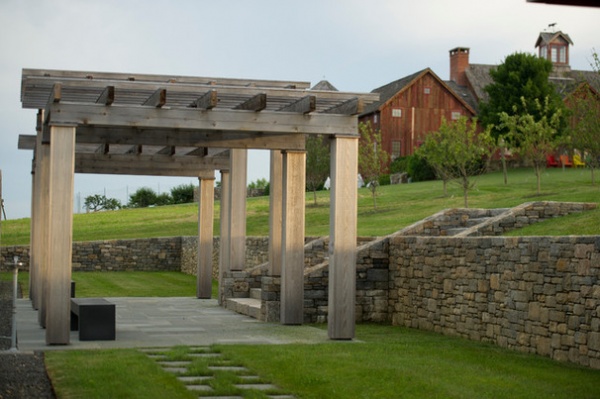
(398, 207)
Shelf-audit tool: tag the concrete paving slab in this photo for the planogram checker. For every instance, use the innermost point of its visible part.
(167, 322)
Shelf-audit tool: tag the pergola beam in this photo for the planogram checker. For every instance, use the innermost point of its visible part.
(353, 106)
(208, 100)
(303, 105)
(107, 97)
(158, 99)
(256, 103)
(215, 121)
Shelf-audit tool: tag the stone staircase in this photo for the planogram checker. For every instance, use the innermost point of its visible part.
(473, 218)
(460, 222)
(247, 306)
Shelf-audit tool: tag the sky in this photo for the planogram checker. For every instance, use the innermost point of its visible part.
(356, 45)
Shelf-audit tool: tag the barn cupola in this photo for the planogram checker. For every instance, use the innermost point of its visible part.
(554, 46)
(459, 62)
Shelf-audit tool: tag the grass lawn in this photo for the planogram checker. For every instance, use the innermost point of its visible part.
(398, 207)
(384, 362)
(125, 284)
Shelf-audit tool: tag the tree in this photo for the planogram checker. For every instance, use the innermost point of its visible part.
(521, 75)
(436, 152)
(142, 198)
(183, 194)
(317, 163)
(537, 138)
(371, 158)
(585, 132)
(99, 202)
(459, 153)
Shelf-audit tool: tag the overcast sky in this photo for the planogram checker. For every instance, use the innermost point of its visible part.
(357, 45)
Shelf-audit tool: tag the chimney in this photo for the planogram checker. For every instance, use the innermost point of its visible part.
(459, 62)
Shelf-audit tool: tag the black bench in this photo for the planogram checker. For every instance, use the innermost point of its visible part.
(94, 318)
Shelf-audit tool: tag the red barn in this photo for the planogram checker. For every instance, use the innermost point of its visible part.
(412, 107)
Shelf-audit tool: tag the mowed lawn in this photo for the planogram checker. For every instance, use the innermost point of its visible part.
(397, 206)
(383, 361)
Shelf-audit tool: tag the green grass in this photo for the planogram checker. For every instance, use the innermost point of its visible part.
(125, 284)
(123, 373)
(398, 207)
(395, 362)
(384, 362)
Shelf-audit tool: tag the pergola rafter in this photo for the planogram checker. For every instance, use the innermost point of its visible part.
(110, 123)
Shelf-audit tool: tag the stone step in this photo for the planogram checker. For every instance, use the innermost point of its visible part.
(256, 293)
(455, 230)
(246, 306)
(476, 221)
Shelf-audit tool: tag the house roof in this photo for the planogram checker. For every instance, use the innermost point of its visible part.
(391, 89)
(324, 85)
(546, 38)
(479, 77)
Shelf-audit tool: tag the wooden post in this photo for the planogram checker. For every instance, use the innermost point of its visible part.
(206, 201)
(275, 213)
(239, 162)
(224, 243)
(42, 218)
(292, 271)
(342, 234)
(35, 276)
(58, 276)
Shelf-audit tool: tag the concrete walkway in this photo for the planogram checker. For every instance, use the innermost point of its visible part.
(163, 322)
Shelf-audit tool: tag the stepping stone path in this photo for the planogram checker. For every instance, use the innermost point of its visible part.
(217, 362)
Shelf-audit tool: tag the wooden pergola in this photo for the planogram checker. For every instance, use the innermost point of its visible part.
(113, 123)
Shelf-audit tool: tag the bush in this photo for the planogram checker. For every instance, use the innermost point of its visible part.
(142, 198)
(399, 165)
(419, 170)
(183, 194)
(384, 180)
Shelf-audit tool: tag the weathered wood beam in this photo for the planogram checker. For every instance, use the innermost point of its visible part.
(107, 97)
(200, 151)
(53, 98)
(303, 105)
(35, 90)
(218, 120)
(157, 100)
(103, 149)
(168, 150)
(136, 150)
(26, 142)
(208, 100)
(353, 106)
(148, 165)
(215, 141)
(256, 103)
(50, 74)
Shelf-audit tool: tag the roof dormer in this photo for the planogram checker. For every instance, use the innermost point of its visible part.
(554, 46)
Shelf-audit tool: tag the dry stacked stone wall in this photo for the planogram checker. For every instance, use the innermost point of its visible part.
(533, 294)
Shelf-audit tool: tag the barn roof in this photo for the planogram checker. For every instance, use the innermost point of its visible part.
(391, 89)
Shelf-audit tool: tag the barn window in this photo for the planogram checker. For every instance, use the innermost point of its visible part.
(397, 113)
(396, 148)
(553, 56)
(456, 115)
(375, 118)
(427, 90)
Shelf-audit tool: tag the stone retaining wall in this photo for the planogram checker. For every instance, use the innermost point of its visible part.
(533, 294)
